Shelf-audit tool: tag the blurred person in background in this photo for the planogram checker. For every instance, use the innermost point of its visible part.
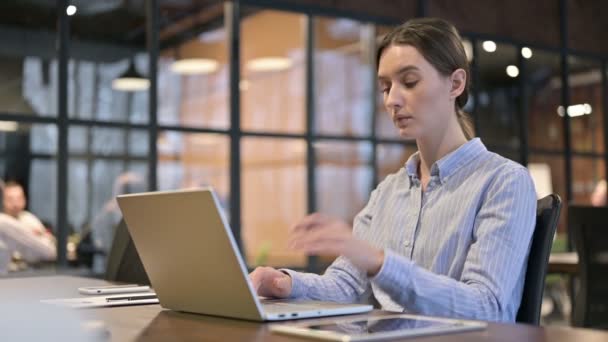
(105, 222)
(22, 233)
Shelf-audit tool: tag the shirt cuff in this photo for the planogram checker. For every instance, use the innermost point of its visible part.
(298, 285)
(394, 273)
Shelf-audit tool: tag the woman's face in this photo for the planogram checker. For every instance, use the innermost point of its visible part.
(419, 100)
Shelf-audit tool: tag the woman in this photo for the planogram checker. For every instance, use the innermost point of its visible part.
(448, 234)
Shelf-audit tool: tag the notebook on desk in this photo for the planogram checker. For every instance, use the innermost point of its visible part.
(194, 265)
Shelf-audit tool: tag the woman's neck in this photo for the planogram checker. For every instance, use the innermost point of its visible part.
(435, 148)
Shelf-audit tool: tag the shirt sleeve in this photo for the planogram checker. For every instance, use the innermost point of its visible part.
(494, 269)
(342, 282)
(19, 238)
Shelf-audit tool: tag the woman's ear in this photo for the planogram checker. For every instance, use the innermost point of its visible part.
(459, 82)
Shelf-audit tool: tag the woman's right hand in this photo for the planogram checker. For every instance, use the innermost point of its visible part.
(269, 282)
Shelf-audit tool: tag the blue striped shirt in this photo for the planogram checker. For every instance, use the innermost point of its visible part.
(457, 249)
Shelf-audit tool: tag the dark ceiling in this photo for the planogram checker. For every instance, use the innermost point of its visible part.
(122, 23)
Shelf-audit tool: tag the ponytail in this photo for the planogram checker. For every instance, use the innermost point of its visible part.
(466, 124)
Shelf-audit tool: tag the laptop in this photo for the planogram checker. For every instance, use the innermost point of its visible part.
(194, 265)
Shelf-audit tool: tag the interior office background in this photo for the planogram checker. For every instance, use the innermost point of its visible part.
(274, 104)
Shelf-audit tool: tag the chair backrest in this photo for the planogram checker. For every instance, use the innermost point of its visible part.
(547, 216)
(124, 264)
(588, 226)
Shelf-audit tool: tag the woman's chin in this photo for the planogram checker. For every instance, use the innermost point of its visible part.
(406, 134)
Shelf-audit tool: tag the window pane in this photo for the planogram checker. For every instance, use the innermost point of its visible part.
(194, 74)
(392, 157)
(273, 72)
(103, 141)
(543, 90)
(42, 191)
(498, 95)
(344, 177)
(94, 185)
(92, 93)
(103, 163)
(29, 85)
(193, 160)
(273, 198)
(343, 77)
(138, 142)
(107, 45)
(586, 175)
(586, 105)
(548, 174)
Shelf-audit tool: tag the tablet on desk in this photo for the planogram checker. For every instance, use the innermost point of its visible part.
(101, 301)
(113, 289)
(377, 327)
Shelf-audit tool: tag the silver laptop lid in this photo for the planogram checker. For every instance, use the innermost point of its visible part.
(189, 253)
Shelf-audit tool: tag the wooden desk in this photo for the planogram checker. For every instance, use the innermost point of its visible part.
(566, 263)
(152, 323)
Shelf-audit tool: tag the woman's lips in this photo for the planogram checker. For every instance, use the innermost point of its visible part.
(402, 119)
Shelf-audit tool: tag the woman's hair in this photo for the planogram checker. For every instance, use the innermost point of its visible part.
(439, 43)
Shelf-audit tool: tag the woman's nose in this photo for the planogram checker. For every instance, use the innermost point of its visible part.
(393, 99)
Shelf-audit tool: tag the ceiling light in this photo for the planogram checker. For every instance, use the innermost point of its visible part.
(576, 110)
(489, 46)
(526, 52)
(512, 71)
(8, 126)
(131, 80)
(71, 10)
(268, 64)
(193, 66)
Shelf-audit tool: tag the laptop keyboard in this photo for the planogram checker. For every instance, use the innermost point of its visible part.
(282, 305)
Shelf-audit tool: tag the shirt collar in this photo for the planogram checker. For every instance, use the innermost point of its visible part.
(450, 163)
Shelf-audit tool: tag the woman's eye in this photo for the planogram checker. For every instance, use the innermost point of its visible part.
(410, 84)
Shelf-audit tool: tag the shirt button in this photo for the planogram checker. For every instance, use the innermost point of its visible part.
(407, 243)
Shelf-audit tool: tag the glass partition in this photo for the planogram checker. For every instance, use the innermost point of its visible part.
(344, 77)
(543, 98)
(273, 198)
(498, 94)
(586, 105)
(272, 81)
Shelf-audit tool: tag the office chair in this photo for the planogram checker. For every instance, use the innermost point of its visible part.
(588, 227)
(547, 215)
(124, 264)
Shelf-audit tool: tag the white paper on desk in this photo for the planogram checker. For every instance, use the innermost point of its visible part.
(104, 301)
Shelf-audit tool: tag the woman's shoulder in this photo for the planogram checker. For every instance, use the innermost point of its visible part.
(394, 178)
(504, 165)
(502, 169)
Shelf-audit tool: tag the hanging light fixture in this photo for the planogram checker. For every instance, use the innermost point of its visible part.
(131, 80)
(265, 64)
(192, 65)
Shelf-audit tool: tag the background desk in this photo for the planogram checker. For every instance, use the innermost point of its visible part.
(566, 263)
(152, 323)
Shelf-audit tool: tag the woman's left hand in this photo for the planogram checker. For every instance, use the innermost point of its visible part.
(320, 234)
